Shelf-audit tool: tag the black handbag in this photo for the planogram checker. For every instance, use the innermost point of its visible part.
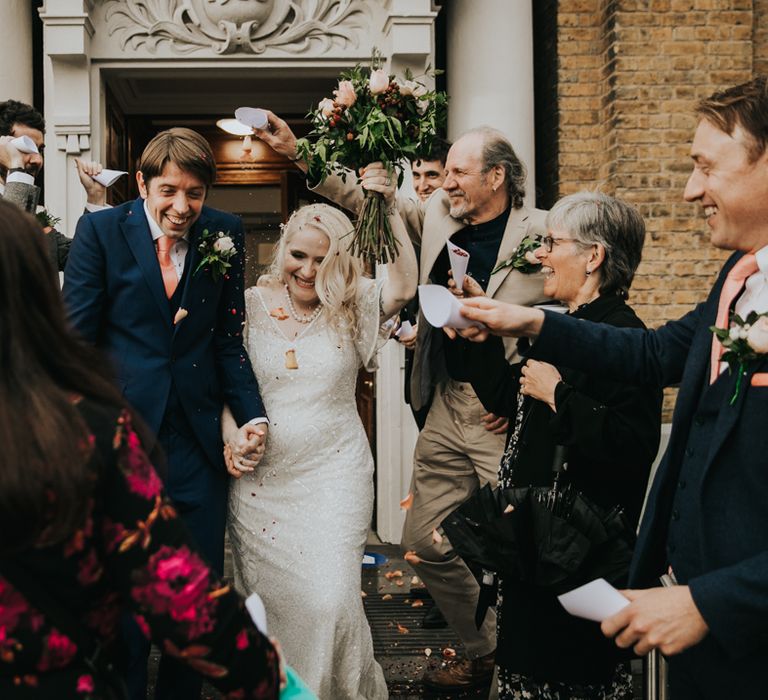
(107, 678)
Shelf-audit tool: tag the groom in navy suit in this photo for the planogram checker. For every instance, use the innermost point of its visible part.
(705, 528)
(134, 286)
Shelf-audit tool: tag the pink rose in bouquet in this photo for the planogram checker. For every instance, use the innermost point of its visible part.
(345, 93)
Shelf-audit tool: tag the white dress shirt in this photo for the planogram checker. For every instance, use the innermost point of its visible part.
(755, 295)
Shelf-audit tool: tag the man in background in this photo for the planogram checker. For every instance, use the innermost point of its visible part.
(18, 172)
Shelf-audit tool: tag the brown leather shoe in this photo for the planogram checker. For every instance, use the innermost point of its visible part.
(461, 674)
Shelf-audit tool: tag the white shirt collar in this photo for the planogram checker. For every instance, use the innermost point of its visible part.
(154, 227)
(762, 260)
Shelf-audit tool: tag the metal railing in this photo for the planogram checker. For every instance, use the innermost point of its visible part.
(655, 677)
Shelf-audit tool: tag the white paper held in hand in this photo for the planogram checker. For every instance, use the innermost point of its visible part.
(441, 308)
(596, 600)
(406, 328)
(107, 178)
(24, 144)
(459, 260)
(252, 116)
(255, 607)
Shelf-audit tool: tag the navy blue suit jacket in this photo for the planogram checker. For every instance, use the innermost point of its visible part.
(730, 509)
(114, 293)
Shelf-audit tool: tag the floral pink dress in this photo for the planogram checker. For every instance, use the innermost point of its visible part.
(131, 552)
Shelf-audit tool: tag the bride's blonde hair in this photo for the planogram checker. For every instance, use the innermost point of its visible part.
(338, 274)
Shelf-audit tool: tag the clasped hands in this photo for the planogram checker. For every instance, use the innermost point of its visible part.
(244, 449)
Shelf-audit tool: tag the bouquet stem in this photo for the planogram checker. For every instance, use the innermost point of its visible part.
(373, 239)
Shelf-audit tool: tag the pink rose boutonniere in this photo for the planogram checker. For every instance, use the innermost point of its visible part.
(744, 341)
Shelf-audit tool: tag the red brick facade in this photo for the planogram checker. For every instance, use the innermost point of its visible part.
(628, 75)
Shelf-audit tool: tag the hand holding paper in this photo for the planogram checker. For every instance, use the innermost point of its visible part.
(459, 261)
(24, 144)
(252, 116)
(596, 600)
(441, 308)
(109, 177)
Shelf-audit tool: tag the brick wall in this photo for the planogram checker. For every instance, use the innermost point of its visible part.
(760, 36)
(629, 75)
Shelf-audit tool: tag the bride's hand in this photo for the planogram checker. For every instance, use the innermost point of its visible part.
(244, 450)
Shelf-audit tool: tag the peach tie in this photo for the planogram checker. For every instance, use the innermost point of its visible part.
(733, 284)
(167, 268)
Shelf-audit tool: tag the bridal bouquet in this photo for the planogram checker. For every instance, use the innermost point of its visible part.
(372, 117)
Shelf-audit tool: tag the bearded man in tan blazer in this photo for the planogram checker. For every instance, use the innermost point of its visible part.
(480, 208)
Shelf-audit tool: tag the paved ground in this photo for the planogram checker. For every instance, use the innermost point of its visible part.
(395, 603)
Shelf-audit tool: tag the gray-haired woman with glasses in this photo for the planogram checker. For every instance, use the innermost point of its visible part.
(610, 432)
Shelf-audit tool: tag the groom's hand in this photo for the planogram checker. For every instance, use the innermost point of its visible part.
(243, 453)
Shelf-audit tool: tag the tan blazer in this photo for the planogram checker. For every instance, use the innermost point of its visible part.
(430, 225)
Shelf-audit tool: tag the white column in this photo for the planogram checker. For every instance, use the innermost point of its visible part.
(16, 51)
(408, 44)
(67, 32)
(490, 72)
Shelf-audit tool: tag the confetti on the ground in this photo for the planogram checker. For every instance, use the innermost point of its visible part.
(411, 557)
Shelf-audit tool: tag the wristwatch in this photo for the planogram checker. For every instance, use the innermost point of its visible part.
(16, 170)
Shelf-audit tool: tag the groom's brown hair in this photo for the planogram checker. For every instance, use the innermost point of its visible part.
(184, 148)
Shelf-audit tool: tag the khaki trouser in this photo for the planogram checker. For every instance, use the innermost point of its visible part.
(455, 455)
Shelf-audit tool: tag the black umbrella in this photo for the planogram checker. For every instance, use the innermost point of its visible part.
(553, 537)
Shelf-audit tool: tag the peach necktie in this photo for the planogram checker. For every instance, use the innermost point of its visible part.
(733, 284)
(167, 268)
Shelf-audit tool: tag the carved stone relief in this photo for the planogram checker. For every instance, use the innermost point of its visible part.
(230, 26)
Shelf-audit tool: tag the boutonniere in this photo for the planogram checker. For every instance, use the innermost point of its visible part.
(215, 248)
(47, 220)
(522, 258)
(744, 340)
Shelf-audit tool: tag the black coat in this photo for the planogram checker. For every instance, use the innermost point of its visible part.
(720, 515)
(611, 431)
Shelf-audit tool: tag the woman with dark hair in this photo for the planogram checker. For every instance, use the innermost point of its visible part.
(610, 433)
(85, 529)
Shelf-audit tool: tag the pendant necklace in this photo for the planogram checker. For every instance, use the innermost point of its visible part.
(290, 354)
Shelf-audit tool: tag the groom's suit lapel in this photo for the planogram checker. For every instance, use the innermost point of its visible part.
(136, 231)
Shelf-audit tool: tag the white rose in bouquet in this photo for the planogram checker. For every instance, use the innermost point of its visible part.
(378, 82)
(326, 107)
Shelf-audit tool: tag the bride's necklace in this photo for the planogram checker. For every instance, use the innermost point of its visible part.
(290, 353)
(292, 309)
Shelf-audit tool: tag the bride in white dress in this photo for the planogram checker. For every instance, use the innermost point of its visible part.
(298, 522)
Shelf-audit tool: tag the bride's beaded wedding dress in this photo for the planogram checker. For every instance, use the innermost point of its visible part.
(299, 522)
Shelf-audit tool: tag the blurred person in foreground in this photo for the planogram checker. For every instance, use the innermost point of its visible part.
(705, 528)
(610, 432)
(84, 523)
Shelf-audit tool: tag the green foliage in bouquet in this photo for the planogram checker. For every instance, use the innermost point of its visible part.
(372, 117)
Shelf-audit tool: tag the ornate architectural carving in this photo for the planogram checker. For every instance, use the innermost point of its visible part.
(229, 26)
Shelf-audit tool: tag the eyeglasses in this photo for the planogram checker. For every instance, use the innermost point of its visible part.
(549, 242)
